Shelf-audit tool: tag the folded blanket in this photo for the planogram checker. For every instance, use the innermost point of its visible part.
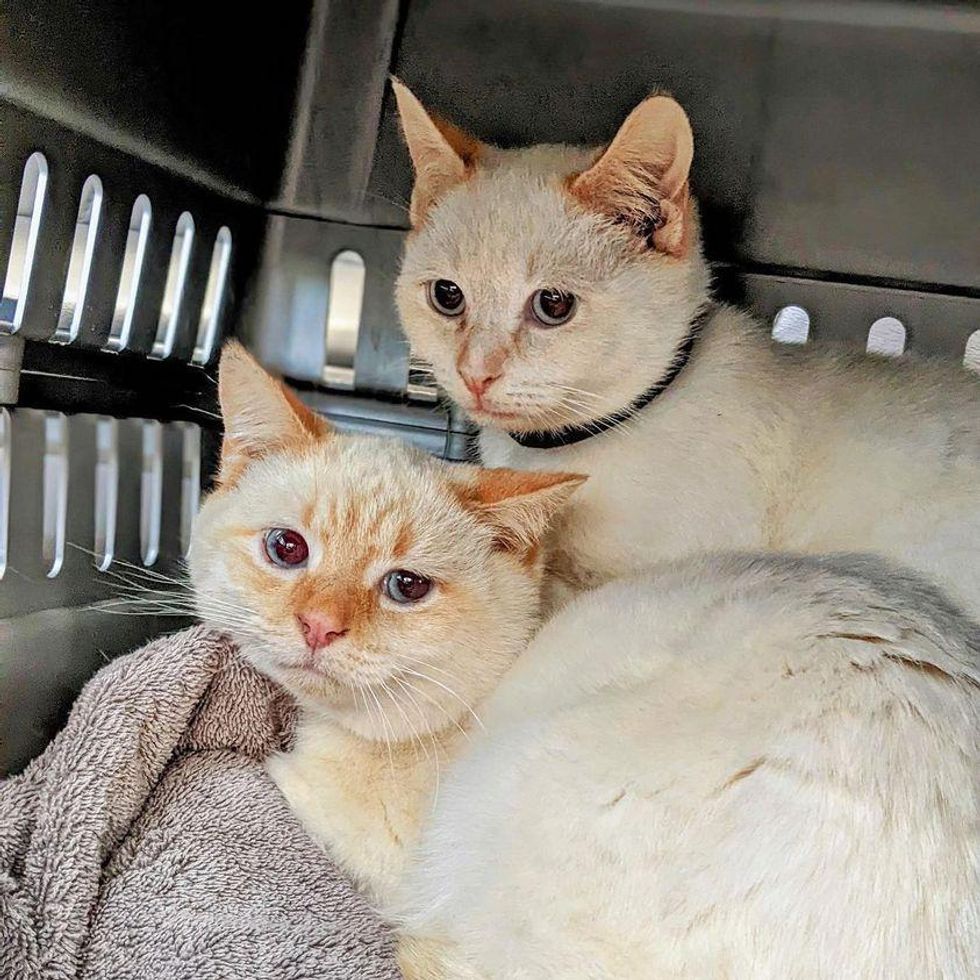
(147, 841)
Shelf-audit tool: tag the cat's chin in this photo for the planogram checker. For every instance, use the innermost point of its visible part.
(489, 416)
(309, 685)
(514, 421)
(544, 418)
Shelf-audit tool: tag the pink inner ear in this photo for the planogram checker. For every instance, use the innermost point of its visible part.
(441, 154)
(467, 147)
(518, 505)
(641, 177)
(491, 486)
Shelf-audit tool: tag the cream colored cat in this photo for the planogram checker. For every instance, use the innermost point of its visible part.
(385, 590)
(738, 767)
(554, 287)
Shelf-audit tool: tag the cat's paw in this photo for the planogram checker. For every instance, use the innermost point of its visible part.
(292, 780)
(281, 770)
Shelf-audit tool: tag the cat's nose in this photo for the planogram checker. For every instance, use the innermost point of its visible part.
(320, 629)
(478, 385)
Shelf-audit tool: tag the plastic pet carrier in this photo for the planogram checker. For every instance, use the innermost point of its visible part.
(173, 173)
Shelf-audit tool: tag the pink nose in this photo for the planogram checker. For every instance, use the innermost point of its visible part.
(478, 386)
(320, 629)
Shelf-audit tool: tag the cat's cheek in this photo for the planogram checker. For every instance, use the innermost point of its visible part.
(441, 348)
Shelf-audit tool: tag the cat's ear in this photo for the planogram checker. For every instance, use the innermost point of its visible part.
(518, 505)
(442, 155)
(641, 177)
(261, 415)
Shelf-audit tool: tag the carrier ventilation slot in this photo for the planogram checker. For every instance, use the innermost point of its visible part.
(106, 490)
(887, 337)
(421, 381)
(791, 325)
(6, 443)
(129, 279)
(80, 264)
(344, 307)
(190, 483)
(55, 492)
(65, 459)
(27, 225)
(173, 291)
(214, 294)
(151, 493)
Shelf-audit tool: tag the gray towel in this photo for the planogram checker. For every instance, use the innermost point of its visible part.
(147, 841)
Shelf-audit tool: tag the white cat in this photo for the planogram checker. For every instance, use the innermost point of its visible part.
(556, 287)
(751, 768)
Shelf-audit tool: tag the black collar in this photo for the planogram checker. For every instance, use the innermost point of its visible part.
(571, 434)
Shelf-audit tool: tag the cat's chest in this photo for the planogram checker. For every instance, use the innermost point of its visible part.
(642, 502)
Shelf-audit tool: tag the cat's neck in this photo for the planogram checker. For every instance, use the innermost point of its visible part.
(569, 435)
(725, 343)
(373, 734)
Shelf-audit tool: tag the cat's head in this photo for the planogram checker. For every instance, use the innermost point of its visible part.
(377, 584)
(550, 285)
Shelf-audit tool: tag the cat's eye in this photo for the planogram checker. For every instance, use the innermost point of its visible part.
(446, 297)
(552, 307)
(405, 587)
(286, 548)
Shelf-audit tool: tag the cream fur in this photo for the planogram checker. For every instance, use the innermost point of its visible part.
(758, 447)
(384, 708)
(754, 768)
(753, 447)
(741, 767)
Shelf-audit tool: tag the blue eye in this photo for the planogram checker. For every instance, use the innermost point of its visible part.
(405, 587)
(552, 307)
(446, 297)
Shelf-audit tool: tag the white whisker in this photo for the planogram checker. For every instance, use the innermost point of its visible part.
(410, 692)
(385, 729)
(411, 728)
(448, 690)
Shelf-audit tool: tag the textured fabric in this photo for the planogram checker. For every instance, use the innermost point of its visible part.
(148, 842)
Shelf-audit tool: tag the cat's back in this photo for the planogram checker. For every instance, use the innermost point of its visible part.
(762, 445)
(756, 764)
(754, 612)
(931, 403)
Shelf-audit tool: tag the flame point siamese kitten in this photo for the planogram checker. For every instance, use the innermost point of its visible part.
(562, 299)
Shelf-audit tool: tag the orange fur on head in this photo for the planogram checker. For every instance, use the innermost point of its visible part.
(260, 414)
(642, 176)
(442, 155)
(366, 509)
(517, 504)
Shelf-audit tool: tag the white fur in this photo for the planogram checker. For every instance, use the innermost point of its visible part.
(750, 767)
(752, 447)
(742, 767)
(785, 450)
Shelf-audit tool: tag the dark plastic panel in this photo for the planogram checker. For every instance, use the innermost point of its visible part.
(865, 166)
(207, 88)
(71, 158)
(337, 111)
(843, 313)
(25, 587)
(41, 679)
(286, 319)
